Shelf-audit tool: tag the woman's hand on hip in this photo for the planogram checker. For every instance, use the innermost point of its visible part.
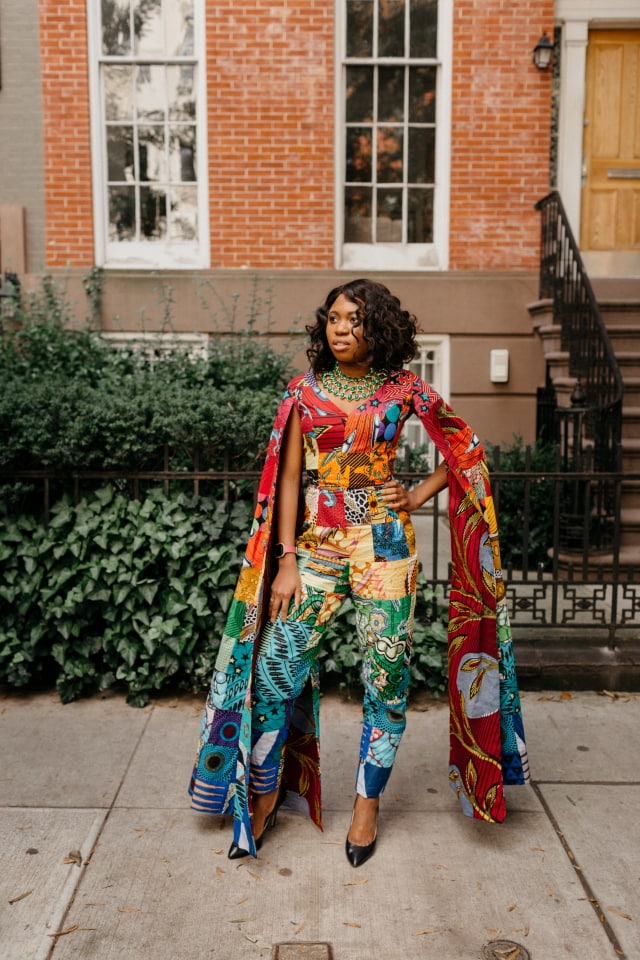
(397, 497)
(286, 586)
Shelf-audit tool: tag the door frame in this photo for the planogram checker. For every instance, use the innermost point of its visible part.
(577, 17)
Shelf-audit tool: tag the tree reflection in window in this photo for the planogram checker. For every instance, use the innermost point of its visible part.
(148, 75)
(390, 120)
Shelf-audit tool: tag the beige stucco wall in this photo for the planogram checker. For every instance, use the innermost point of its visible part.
(21, 180)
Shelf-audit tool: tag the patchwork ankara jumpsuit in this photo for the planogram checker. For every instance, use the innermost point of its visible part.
(351, 544)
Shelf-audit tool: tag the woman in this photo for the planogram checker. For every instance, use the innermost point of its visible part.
(342, 421)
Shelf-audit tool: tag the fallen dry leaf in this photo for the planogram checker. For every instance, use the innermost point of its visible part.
(565, 695)
(21, 897)
(355, 883)
(244, 900)
(128, 909)
(300, 928)
(619, 913)
(220, 871)
(511, 953)
(256, 876)
(74, 856)
(608, 693)
(218, 850)
(541, 849)
(514, 906)
(63, 933)
(421, 933)
(549, 890)
(346, 923)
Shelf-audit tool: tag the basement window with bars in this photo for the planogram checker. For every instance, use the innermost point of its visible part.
(148, 138)
(394, 132)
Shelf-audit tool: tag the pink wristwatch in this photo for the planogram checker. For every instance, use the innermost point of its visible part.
(280, 550)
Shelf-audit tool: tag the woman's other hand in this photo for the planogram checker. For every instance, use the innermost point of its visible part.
(398, 497)
(285, 587)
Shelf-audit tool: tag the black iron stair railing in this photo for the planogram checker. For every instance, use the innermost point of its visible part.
(590, 429)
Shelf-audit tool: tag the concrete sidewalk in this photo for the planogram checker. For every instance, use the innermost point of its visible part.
(102, 857)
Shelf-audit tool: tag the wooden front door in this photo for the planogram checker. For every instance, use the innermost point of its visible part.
(611, 191)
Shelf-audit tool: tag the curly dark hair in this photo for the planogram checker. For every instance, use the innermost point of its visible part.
(388, 330)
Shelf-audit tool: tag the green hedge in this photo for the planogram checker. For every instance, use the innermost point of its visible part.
(118, 591)
(70, 401)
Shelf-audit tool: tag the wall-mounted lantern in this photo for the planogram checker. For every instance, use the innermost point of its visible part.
(543, 52)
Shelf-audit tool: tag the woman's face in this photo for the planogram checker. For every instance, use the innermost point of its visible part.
(345, 333)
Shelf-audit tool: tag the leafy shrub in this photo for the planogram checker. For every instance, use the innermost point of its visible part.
(70, 401)
(119, 591)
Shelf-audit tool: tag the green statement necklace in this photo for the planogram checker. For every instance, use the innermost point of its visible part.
(353, 388)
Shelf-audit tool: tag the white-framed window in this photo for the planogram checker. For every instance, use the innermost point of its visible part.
(431, 364)
(148, 134)
(155, 346)
(393, 92)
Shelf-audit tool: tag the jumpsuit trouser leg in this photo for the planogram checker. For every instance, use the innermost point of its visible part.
(343, 563)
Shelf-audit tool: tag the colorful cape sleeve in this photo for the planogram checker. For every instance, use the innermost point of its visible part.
(487, 747)
(219, 783)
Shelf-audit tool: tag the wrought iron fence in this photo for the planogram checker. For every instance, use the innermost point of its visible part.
(547, 585)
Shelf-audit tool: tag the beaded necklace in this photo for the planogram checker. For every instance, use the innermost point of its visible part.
(353, 388)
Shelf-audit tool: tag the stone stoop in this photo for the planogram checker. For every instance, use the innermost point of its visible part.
(619, 302)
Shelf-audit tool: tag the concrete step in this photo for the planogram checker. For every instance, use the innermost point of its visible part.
(630, 455)
(624, 336)
(624, 311)
(630, 423)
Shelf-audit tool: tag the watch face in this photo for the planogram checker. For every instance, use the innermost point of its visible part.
(279, 551)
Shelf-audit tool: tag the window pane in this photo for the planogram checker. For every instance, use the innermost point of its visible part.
(182, 155)
(182, 93)
(420, 225)
(422, 94)
(116, 27)
(153, 213)
(422, 145)
(120, 153)
(359, 94)
(359, 28)
(122, 213)
(391, 28)
(152, 162)
(389, 220)
(391, 93)
(184, 213)
(118, 93)
(424, 28)
(357, 215)
(359, 154)
(390, 165)
(179, 28)
(148, 27)
(150, 92)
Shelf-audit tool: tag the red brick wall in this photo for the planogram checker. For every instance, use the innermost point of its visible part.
(270, 70)
(500, 133)
(270, 115)
(66, 133)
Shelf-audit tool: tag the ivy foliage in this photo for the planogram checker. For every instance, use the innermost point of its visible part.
(115, 591)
